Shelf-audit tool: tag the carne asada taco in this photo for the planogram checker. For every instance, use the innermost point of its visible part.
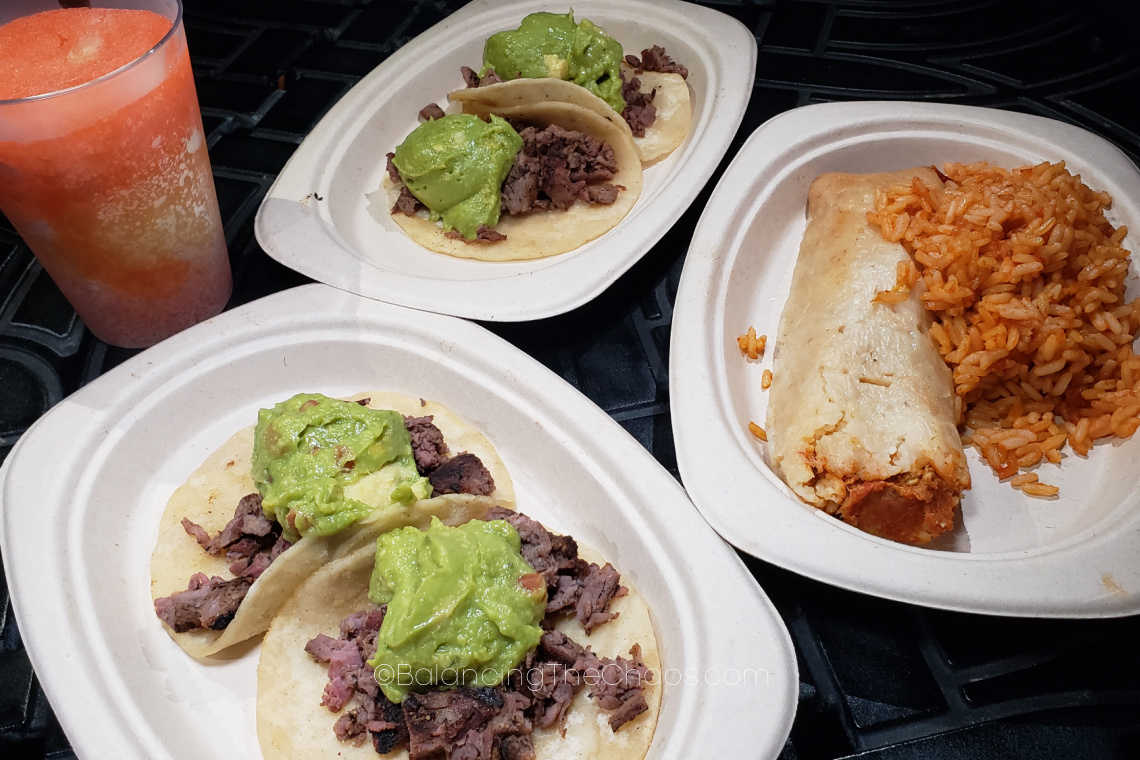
(493, 639)
(524, 182)
(649, 95)
(315, 479)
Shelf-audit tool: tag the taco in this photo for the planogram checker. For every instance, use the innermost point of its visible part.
(535, 179)
(325, 683)
(316, 479)
(579, 63)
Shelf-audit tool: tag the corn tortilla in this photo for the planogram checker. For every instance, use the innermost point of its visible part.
(540, 233)
(212, 492)
(672, 101)
(292, 724)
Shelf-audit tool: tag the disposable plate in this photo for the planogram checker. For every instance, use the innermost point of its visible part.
(83, 490)
(317, 218)
(1069, 556)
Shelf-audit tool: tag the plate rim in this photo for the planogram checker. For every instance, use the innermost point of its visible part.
(81, 425)
(698, 400)
(292, 232)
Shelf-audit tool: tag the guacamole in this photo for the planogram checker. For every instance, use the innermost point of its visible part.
(309, 450)
(552, 45)
(463, 606)
(456, 166)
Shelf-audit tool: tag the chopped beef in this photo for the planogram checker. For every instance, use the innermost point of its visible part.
(556, 646)
(466, 723)
(520, 189)
(347, 657)
(516, 748)
(406, 203)
(604, 195)
(571, 582)
(250, 541)
(206, 603)
(656, 59)
(472, 79)
(463, 473)
(352, 681)
(431, 111)
(617, 683)
(393, 172)
(489, 723)
(484, 234)
(552, 687)
(462, 723)
(639, 113)
(598, 588)
(556, 167)
(561, 666)
(428, 445)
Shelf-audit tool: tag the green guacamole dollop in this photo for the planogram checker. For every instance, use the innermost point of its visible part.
(456, 166)
(552, 45)
(457, 613)
(308, 450)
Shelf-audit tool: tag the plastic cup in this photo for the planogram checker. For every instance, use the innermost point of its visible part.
(109, 183)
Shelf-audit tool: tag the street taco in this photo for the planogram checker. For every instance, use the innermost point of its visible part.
(571, 694)
(579, 63)
(316, 479)
(535, 179)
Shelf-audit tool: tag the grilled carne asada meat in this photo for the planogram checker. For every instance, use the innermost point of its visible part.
(490, 723)
(250, 541)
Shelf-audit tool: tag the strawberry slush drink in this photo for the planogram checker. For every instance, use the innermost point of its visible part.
(109, 183)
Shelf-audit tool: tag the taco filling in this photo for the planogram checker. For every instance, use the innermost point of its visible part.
(551, 45)
(464, 172)
(458, 655)
(320, 465)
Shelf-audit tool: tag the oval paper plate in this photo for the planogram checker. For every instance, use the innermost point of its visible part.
(1070, 556)
(340, 241)
(83, 491)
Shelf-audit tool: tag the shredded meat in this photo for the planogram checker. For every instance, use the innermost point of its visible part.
(556, 167)
(656, 59)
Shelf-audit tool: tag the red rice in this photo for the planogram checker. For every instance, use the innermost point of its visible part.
(1025, 277)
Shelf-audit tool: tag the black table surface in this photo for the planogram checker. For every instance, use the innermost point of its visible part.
(878, 679)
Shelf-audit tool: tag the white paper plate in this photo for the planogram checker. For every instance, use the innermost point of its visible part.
(85, 487)
(1072, 556)
(338, 241)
